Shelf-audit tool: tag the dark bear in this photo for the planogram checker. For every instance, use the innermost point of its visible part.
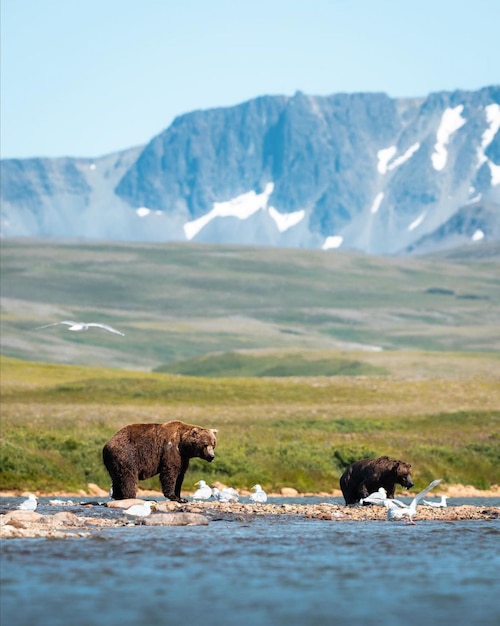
(368, 475)
(140, 451)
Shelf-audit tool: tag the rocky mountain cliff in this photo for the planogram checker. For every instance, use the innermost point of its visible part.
(350, 171)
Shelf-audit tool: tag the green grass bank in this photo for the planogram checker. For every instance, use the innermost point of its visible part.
(438, 411)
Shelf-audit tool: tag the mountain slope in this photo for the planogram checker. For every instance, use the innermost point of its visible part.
(357, 171)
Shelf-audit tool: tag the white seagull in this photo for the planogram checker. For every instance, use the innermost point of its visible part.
(204, 492)
(228, 494)
(398, 510)
(80, 327)
(259, 496)
(29, 504)
(377, 497)
(439, 504)
(140, 510)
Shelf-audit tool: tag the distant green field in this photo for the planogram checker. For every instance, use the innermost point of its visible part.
(289, 431)
(276, 365)
(179, 302)
(304, 360)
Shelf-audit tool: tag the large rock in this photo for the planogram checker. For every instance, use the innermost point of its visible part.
(124, 504)
(20, 519)
(95, 490)
(175, 519)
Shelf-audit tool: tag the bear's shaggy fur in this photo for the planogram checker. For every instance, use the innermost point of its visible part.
(368, 475)
(140, 451)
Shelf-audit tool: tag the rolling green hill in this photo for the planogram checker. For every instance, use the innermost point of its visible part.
(304, 360)
(178, 302)
(298, 432)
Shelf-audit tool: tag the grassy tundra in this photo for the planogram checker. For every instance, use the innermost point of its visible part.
(272, 347)
(298, 432)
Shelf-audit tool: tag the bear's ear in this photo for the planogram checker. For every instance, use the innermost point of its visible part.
(214, 430)
(194, 431)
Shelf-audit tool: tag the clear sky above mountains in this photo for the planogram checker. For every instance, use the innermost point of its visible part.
(91, 77)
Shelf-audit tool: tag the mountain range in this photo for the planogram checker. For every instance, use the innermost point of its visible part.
(357, 171)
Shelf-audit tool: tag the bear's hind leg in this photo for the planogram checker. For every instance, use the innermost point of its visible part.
(124, 485)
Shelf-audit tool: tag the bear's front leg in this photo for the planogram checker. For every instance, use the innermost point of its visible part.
(174, 498)
(363, 491)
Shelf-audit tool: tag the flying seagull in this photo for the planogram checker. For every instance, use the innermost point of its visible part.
(80, 327)
(398, 510)
(259, 494)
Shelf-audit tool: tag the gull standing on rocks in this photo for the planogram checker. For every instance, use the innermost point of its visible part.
(377, 497)
(140, 510)
(29, 504)
(441, 503)
(398, 510)
(58, 502)
(228, 494)
(204, 492)
(259, 496)
(80, 327)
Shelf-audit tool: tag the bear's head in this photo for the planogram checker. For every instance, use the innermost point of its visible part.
(402, 473)
(201, 442)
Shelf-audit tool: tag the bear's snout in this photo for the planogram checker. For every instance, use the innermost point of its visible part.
(209, 454)
(408, 483)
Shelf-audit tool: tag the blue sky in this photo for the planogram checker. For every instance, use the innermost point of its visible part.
(91, 77)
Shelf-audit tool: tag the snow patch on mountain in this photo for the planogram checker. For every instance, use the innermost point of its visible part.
(332, 242)
(492, 113)
(377, 202)
(451, 121)
(284, 221)
(416, 223)
(242, 207)
(385, 156)
(495, 173)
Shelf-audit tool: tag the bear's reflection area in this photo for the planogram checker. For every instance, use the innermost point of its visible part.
(259, 571)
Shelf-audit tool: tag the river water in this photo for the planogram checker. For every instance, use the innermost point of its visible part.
(260, 571)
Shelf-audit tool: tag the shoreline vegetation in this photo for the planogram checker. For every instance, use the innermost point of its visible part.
(300, 432)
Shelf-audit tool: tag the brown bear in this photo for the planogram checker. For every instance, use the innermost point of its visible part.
(140, 451)
(368, 475)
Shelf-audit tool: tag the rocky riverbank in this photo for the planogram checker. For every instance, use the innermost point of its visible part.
(85, 518)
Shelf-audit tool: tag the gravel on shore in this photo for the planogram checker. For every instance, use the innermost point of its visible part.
(82, 520)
